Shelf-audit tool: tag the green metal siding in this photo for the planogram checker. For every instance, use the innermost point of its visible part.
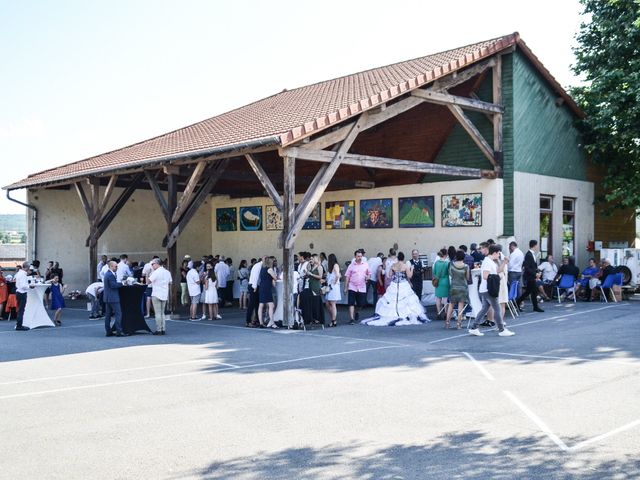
(507, 145)
(545, 139)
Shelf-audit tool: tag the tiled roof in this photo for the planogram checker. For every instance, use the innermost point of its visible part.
(13, 251)
(283, 118)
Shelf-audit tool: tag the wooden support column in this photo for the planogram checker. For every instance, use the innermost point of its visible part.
(474, 133)
(288, 218)
(497, 118)
(172, 250)
(264, 180)
(321, 182)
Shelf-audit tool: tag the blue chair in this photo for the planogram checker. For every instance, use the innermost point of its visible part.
(513, 296)
(609, 282)
(567, 282)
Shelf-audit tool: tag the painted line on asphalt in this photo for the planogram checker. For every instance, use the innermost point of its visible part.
(598, 438)
(537, 420)
(52, 329)
(580, 359)
(108, 372)
(279, 331)
(583, 312)
(483, 370)
(190, 374)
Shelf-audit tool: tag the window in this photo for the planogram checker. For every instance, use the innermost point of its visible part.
(546, 223)
(568, 226)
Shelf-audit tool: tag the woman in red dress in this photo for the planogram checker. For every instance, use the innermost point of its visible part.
(4, 291)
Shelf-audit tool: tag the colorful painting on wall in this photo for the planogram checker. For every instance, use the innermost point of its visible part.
(273, 218)
(462, 210)
(340, 215)
(314, 220)
(226, 219)
(376, 213)
(250, 219)
(416, 212)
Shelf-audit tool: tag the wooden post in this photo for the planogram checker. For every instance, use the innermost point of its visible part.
(497, 118)
(288, 218)
(172, 251)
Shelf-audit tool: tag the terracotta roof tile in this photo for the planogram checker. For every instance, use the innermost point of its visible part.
(288, 116)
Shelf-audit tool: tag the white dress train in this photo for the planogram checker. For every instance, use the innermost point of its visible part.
(398, 306)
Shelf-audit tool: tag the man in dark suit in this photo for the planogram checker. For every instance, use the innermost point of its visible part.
(111, 298)
(529, 273)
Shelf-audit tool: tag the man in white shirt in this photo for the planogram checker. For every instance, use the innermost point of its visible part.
(252, 288)
(146, 272)
(222, 274)
(516, 257)
(374, 264)
(123, 269)
(193, 285)
(490, 267)
(101, 263)
(93, 291)
(22, 287)
(549, 271)
(160, 281)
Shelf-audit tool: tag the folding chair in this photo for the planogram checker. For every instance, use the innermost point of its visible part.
(567, 282)
(609, 282)
(511, 302)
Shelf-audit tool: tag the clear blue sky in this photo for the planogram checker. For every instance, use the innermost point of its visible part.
(80, 78)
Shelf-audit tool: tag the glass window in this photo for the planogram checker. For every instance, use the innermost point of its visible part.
(546, 223)
(568, 227)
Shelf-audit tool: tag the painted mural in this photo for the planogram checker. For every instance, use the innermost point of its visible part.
(462, 210)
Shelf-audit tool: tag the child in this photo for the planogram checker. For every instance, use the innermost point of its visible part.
(211, 293)
(57, 300)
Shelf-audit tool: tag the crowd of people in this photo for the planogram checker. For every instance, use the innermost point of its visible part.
(394, 283)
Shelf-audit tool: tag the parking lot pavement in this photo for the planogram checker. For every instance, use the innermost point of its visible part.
(218, 400)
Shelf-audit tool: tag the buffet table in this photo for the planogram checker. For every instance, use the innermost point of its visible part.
(35, 315)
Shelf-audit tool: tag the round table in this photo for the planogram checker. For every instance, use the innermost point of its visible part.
(35, 315)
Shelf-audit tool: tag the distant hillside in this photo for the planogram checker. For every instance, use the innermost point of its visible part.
(13, 223)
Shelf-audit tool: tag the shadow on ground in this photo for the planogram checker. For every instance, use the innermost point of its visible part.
(470, 455)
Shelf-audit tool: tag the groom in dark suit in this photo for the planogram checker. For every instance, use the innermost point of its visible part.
(529, 274)
(111, 298)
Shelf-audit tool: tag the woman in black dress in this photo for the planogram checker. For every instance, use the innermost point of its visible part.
(265, 292)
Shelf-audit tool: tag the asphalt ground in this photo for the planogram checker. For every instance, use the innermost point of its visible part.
(216, 400)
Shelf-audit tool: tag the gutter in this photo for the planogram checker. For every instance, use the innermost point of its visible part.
(261, 142)
(34, 250)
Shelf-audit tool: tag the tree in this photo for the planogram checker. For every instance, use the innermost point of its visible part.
(608, 55)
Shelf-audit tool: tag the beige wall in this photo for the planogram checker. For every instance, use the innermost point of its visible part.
(244, 245)
(527, 190)
(138, 230)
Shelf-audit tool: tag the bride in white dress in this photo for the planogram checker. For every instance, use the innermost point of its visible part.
(399, 305)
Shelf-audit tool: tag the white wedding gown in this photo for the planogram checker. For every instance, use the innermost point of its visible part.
(398, 306)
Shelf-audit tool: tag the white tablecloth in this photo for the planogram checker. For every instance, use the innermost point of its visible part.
(35, 314)
(278, 315)
(474, 297)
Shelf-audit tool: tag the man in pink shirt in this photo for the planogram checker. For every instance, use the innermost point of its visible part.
(356, 285)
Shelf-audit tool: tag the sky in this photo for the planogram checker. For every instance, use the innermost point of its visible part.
(81, 78)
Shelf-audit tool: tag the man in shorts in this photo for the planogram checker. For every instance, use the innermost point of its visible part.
(356, 285)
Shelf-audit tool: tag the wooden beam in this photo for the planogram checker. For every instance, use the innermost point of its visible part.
(474, 133)
(108, 217)
(107, 194)
(158, 194)
(461, 76)
(288, 218)
(497, 119)
(188, 192)
(311, 197)
(385, 163)
(196, 202)
(466, 103)
(373, 119)
(84, 200)
(265, 181)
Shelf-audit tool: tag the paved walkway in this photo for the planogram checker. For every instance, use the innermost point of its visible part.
(217, 400)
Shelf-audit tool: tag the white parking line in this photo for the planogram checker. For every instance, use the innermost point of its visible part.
(189, 374)
(52, 329)
(514, 325)
(107, 372)
(483, 370)
(578, 359)
(623, 428)
(537, 420)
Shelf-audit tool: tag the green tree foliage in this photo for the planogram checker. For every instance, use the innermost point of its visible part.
(608, 56)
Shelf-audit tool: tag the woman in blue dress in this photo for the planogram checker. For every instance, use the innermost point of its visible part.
(57, 300)
(265, 292)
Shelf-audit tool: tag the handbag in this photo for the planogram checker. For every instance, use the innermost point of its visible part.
(325, 289)
(493, 285)
(435, 281)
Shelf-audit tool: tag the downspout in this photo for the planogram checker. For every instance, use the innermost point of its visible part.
(34, 250)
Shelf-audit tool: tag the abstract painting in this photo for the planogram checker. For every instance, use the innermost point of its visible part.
(462, 210)
(376, 213)
(226, 219)
(340, 215)
(416, 212)
(314, 220)
(250, 219)
(273, 218)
